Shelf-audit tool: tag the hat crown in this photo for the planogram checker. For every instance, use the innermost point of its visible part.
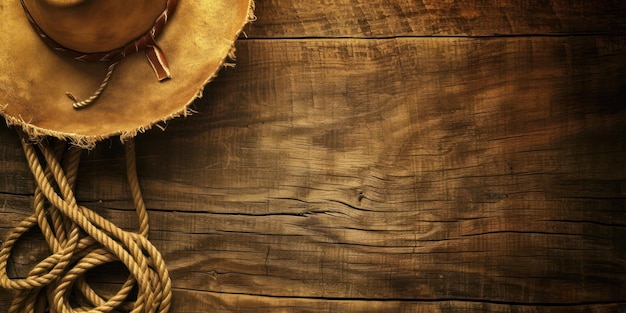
(62, 3)
(94, 25)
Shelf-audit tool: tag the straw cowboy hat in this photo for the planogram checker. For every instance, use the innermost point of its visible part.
(42, 44)
(77, 70)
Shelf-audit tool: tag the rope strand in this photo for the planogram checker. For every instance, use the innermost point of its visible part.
(81, 240)
(80, 104)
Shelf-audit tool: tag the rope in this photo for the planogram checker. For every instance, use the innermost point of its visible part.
(80, 240)
(79, 104)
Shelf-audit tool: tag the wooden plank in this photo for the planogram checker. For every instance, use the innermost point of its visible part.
(15, 177)
(410, 173)
(382, 18)
(246, 303)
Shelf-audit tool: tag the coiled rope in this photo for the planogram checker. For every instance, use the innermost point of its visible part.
(79, 240)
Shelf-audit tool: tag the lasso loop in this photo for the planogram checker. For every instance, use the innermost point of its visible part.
(80, 240)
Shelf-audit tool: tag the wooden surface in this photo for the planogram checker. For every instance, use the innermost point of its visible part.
(385, 156)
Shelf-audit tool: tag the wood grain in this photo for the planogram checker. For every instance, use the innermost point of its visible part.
(401, 18)
(382, 175)
(384, 156)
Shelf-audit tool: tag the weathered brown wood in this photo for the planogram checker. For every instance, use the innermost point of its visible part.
(411, 174)
(382, 18)
(352, 163)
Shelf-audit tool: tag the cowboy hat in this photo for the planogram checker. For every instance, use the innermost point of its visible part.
(190, 43)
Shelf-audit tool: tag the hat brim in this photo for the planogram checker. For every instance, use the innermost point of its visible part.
(34, 79)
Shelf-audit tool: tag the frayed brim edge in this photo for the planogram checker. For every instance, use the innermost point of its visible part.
(36, 134)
